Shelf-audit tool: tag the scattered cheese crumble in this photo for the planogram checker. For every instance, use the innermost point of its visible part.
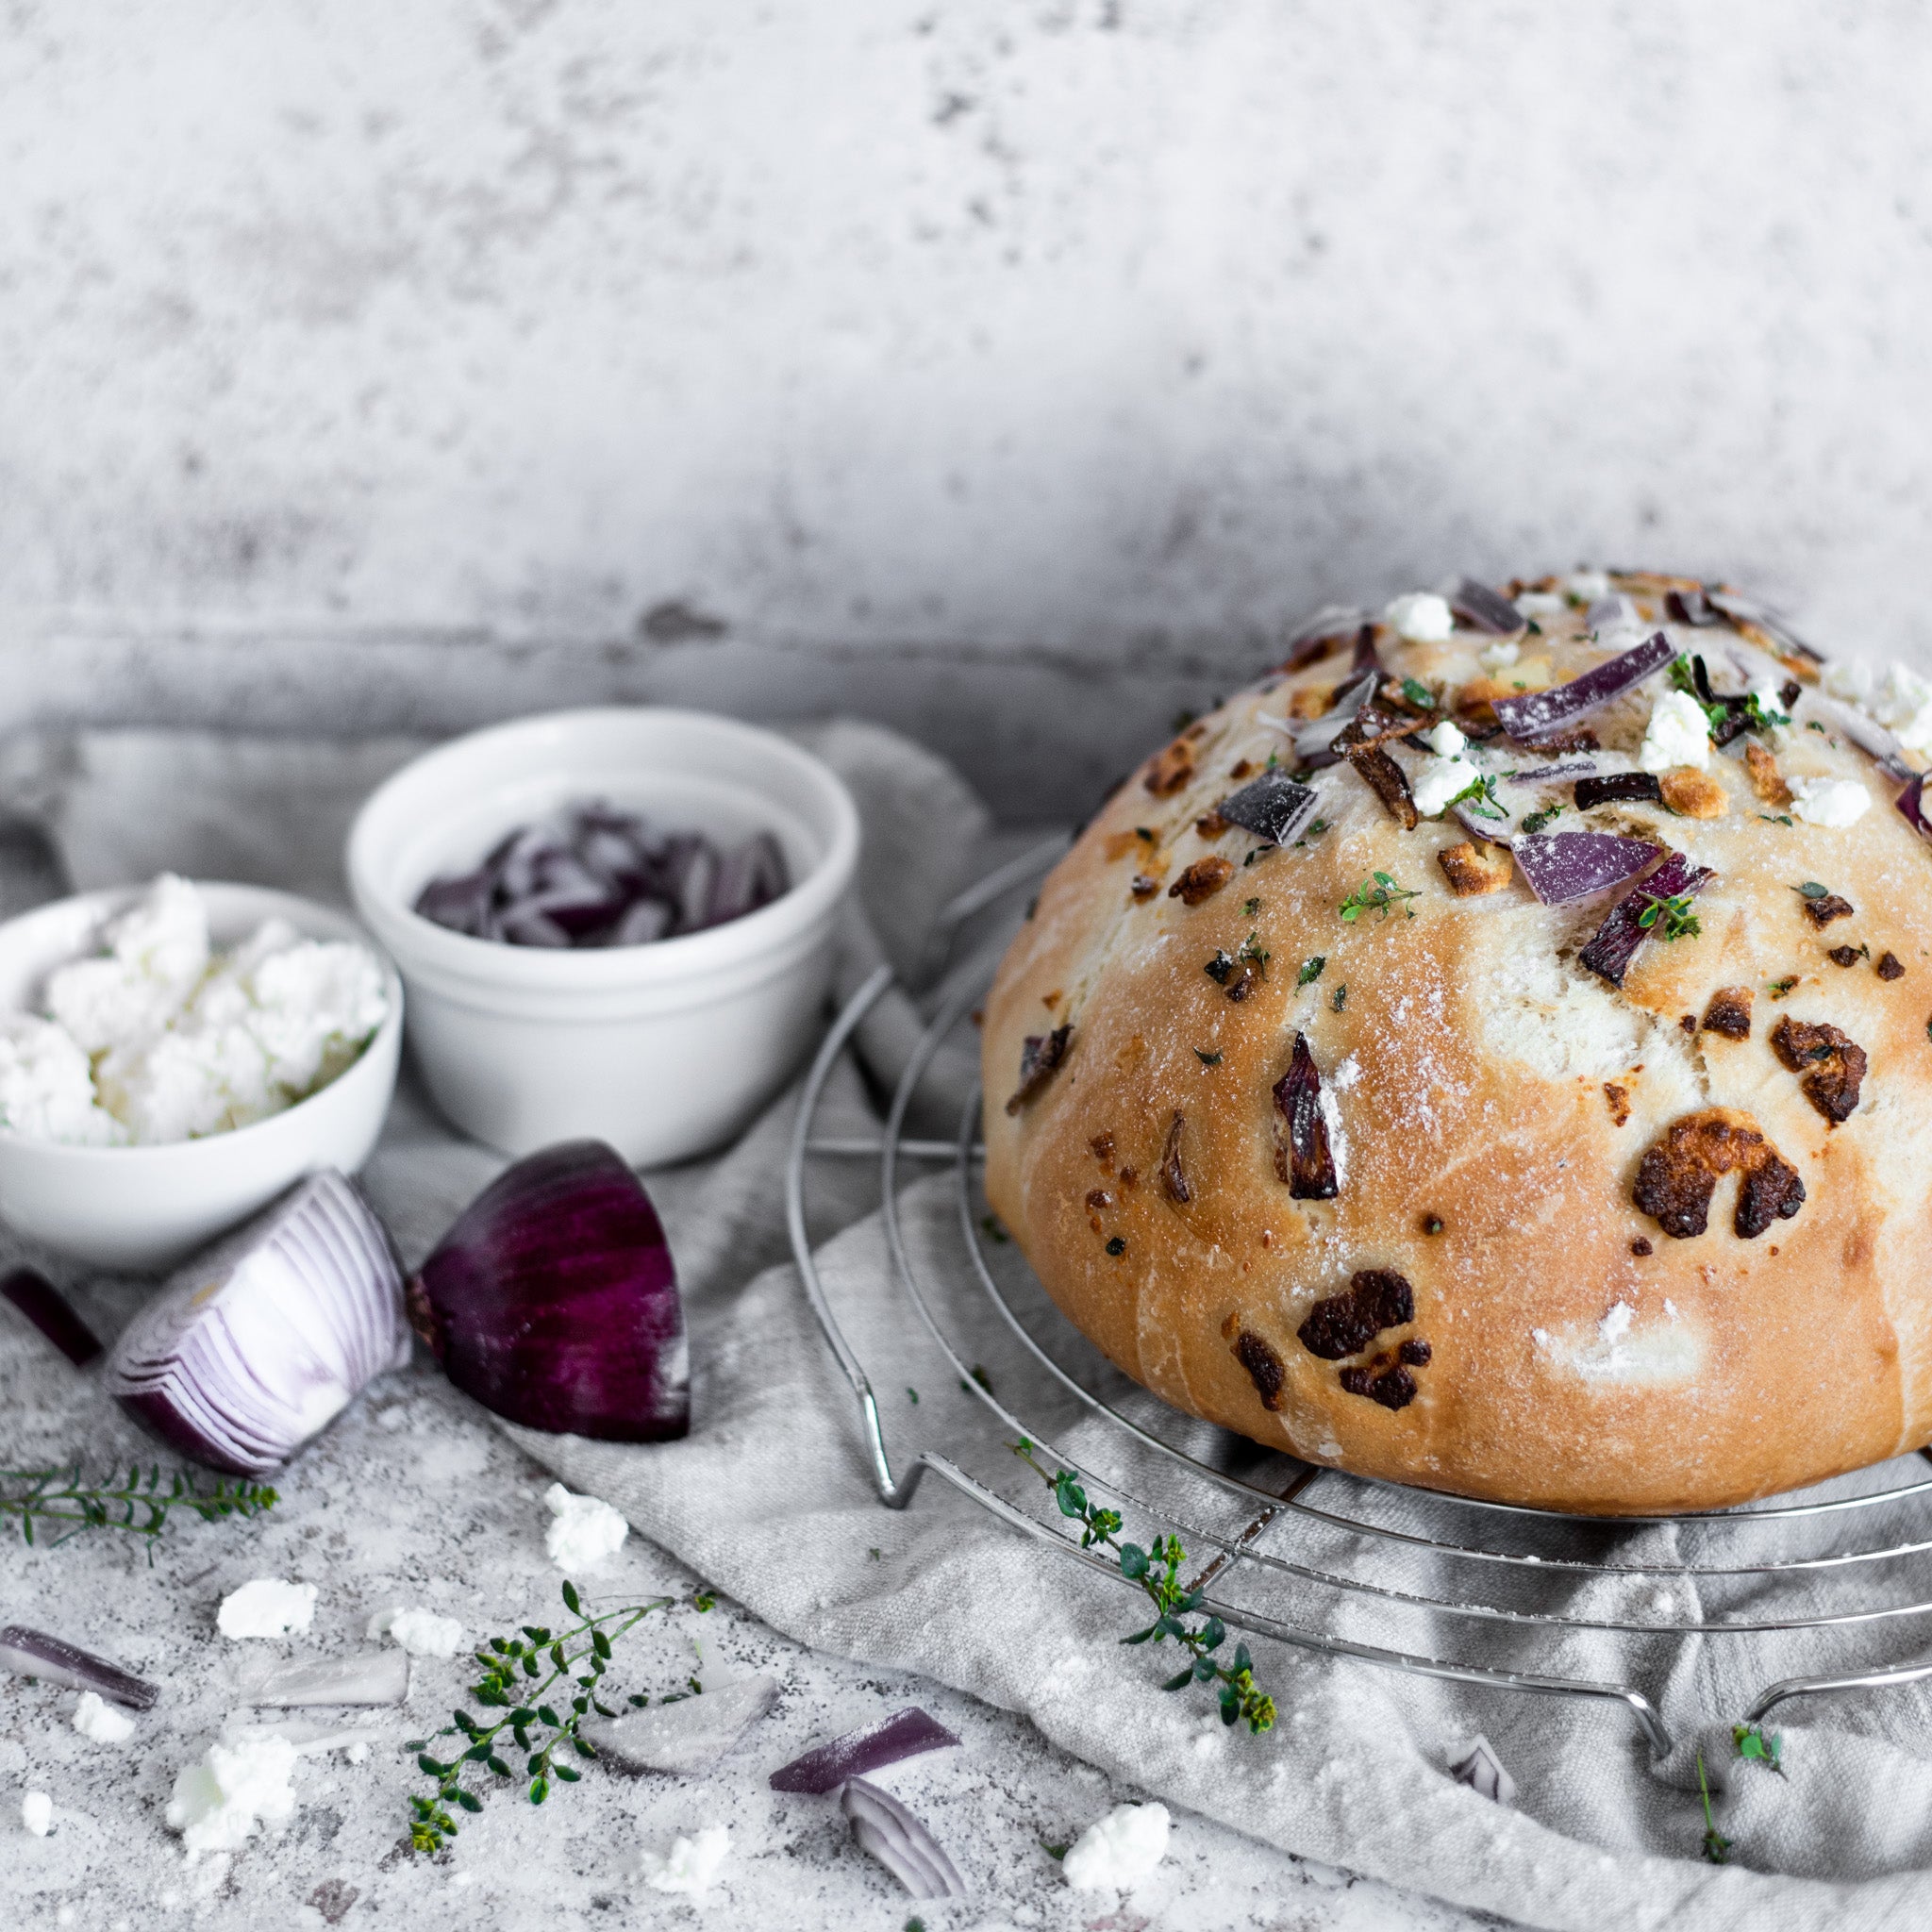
(233, 1788)
(1901, 699)
(1439, 780)
(586, 1532)
(1678, 734)
(1445, 739)
(268, 1607)
(1505, 651)
(1117, 1852)
(1834, 802)
(95, 1717)
(422, 1633)
(159, 1039)
(1421, 617)
(1587, 586)
(37, 1814)
(691, 1864)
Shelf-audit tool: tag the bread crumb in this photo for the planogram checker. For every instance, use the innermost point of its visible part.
(1766, 779)
(1474, 870)
(1695, 795)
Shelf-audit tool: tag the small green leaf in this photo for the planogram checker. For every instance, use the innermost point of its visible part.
(1181, 1681)
(600, 1643)
(1418, 694)
(571, 1601)
(540, 1789)
(1812, 890)
(1133, 1562)
(469, 1800)
(1311, 970)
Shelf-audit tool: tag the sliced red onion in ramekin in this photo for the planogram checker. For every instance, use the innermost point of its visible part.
(260, 1342)
(1564, 867)
(1538, 714)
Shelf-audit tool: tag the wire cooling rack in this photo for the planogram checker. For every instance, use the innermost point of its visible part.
(1477, 1592)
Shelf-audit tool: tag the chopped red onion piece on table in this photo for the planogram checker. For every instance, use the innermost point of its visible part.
(682, 1735)
(598, 878)
(1537, 714)
(1609, 954)
(554, 1301)
(904, 1733)
(35, 1654)
(899, 1842)
(1485, 609)
(368, 1677)
(1563, 867)
(256, 1344)
(49, 1310)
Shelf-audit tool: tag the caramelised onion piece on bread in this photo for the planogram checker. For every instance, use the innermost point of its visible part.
(1461, 1109)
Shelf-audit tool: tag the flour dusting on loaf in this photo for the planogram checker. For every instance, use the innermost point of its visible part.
(1611, 1195)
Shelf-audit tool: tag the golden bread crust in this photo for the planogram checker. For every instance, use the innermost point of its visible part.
(1490, 1105)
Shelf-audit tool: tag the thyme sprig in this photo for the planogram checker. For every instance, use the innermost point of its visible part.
(1376, 895)
(1157, 1570)
(138, 1507)
(1717, 1847)
(1677, 919)
(514, 1680)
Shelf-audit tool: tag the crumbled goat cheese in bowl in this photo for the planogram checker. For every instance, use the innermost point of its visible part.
(207, 1044)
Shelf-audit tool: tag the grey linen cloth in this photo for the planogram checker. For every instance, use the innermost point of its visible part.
(771, 1498)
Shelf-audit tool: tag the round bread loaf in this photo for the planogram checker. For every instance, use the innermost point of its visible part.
(1318, 1120)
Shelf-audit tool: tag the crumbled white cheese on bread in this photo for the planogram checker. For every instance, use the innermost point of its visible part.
(1834, 802)
(1421, 617)
(1678, 734)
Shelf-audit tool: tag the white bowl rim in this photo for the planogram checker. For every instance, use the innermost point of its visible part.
(106, 899)
(686, 956)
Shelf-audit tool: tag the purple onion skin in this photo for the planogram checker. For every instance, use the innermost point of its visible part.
(1563, 867)
(554, 1301)
(35, 1654)
(49, 1310)
(906, 1734)
(1543, 713)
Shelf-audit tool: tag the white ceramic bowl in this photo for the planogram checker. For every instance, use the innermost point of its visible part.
(142, 1209)
(663, 1050)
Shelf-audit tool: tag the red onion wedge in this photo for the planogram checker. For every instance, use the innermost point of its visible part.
(260, 1342)
(1609, 954)
(1309, 1165)
(1544, 714)
(908, 1733)
(1485, 609)
(884, 1828)
(1870, 735)
(1543, 775)
(1563, 867)
(1745, 610)
(1694, 608)
(1313, 639)
(682, 1735)
(1275, 807)
(34, 1654)
(554, 1301)
(49, 1310)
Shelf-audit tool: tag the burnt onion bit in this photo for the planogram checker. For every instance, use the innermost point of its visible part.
(1609, 954)
(1306, 1164)
(1679, 1174)
(1832, 1063)
(1265, 1368)
(597, 877)
(50, 1311)
(1536, 716)
(1345, 1324)
(554, 1301)
(1640, 788)
(1041, 1056)
(1393, 1387)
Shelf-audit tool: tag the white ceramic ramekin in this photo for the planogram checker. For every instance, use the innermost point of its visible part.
(663, 1050)
(142, 1209)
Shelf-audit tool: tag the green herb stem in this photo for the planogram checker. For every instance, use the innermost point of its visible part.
(138, 1507)
(515, 1681)
(1157, 1570)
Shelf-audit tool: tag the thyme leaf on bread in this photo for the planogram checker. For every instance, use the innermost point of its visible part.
(139, 1506)
(1376, 894)
(1673, 918)
(516, 1682)
(1311, 970)
(1157, 1570)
